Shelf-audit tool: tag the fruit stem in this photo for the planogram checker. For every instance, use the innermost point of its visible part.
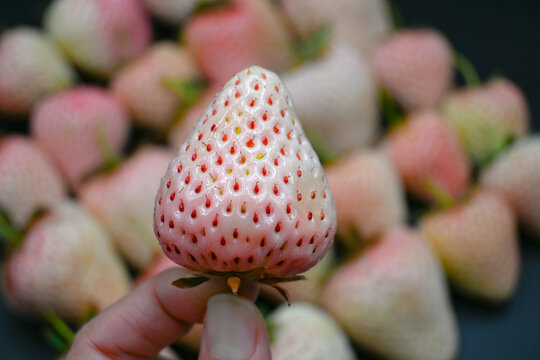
(8, 232)
(467, 70)
(60, 327)
(441, 196)
(234, 284)
(314, 45)
(390, 110)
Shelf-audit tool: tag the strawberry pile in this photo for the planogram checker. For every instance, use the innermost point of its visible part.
(303, 144)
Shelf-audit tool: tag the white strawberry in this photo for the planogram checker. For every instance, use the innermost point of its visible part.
(246, 192)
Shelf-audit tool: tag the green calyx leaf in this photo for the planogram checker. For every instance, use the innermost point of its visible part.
(59, 327)
(8, 232)
(397, 18)
(441, 196)
(109, 156)
(206, 5)
(189, 282)
(315, 45)
(188, 92)
(466, 69)
(390, 110)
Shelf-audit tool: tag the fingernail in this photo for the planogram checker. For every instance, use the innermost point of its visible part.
(230, 327)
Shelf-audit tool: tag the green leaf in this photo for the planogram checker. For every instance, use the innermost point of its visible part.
(390, 109)
(109, 156)
(467, 70)
(56, 341)
(315, 45)
(60, 327)
(397, 18)
(8, 232)
(206, 5)
(443, 199)
(188, 92)
(189, 282)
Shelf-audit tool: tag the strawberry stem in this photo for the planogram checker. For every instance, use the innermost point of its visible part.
(60, 327)
(441, 196)
(390, 110)
(314, 45)
(8, 232)
(467, 70)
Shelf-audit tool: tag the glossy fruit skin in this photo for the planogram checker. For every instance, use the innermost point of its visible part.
(393, 300)
(426, 150)
(31, 66)
(256, 200)
(415, 66)
(477, 243)
(99, 35)
(65, 264)
(141, 84)
(248, 32)
(515, 174)
(336, 97)
(369, 196)
(123, 201)
(29, 181)
(485, 117)
(78, 128)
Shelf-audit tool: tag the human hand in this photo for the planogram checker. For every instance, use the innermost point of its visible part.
(155, 314)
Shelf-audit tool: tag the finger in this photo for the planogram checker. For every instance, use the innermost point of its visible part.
(234, 329)
(152, 316)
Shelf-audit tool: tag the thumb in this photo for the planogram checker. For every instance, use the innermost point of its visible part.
(234, 329)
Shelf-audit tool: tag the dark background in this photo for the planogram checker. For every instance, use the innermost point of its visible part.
(500, 38)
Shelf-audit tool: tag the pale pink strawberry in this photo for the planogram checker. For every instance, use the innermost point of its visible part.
(183, 126)
(487, 116)
(99, 35)
(80, 128)
(305, 332)
(171, 11)
(368, 193)
(309, 289)
(141, 85)
(477, 244)
(336, 98)
(516, 175)
(30, 68)
(65, 264)
(427, 153)
(29, 182)
(123, 201)
(246, 190)
(415, 66)
(224, 41)
(360, 23)
(393, 300)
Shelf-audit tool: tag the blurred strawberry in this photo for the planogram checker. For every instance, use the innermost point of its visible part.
(183, 126)
(415, 66)
(426, 153)
(335, 98)
(171, 11)
(368, 193)
(81, 128)
(477, 243)
(308, 290)
(141, 85)
(226, 40)
(99, 35)
(123, 200)
(393, 301)
(486, 117)
(359, 23)
(305, 332)
(29, 182)
(30, 67)
(65, 264)
(516, 175)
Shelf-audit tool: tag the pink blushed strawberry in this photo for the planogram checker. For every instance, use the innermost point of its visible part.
(29, 182)
(516, 175)
(477, 243)
(224, 41)
(141, 84)
(65, 264)
(99, 35)
(415, 66)
(123, 201)
(428, 153)
(246, 192)
(392, 300)
(30, 68)
(81, 128)
(486, 117)
(336, 98)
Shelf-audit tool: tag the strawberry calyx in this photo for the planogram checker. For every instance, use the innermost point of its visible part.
(110, 159)
(466, 69)
(8, 232)
(441, 196)
(391, 110)
(60, 335)
(235, 278)
(210, 5)
(314, 45)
